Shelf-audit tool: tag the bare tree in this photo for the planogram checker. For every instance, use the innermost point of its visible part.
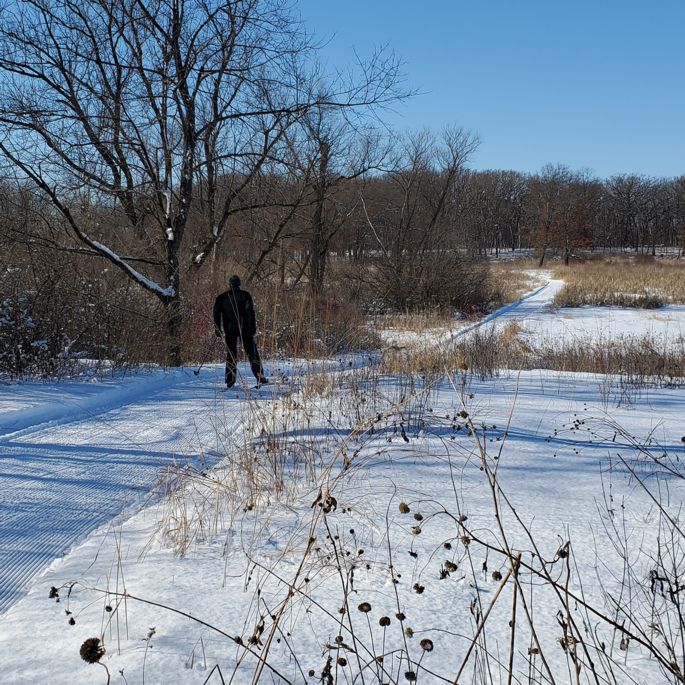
(545, 208)
(138, 106)
(418, 230)
(494, 209)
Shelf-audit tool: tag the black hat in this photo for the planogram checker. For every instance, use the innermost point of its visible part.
(234, 281)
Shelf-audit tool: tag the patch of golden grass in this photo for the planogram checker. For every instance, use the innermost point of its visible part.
(512, 279)
(414, 322)
(622, 282)
(430, 360)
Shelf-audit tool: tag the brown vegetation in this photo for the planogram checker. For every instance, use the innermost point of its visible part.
(622, 281)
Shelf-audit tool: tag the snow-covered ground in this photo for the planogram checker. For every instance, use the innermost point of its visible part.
(277, 586)
(75, 456)
(538, 321)
(605, 323)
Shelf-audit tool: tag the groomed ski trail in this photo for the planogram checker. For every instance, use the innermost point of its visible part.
(82, 464)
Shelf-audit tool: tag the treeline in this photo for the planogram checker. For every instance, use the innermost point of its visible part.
(409, 221)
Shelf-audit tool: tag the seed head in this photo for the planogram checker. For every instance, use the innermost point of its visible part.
(418, 517)
(404, 508)
(384, 621)
(496, 575)
(342, 661)
(410, 676)
(426, 645)
(400, 616)
(92, 650)
(364, 607)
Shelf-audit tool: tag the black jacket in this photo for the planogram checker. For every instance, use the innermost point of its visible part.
(234, 312)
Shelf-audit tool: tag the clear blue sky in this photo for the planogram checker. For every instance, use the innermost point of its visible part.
(588, 83)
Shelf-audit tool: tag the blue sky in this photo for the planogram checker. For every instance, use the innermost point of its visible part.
(589, 84)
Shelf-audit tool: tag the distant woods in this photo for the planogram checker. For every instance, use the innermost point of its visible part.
(148, 150)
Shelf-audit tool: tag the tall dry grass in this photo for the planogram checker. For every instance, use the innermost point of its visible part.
(513, 278)
(623, 282)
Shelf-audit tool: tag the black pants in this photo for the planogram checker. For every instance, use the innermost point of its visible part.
(232, 354)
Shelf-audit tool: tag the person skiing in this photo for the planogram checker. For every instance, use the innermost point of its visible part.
(234, 313)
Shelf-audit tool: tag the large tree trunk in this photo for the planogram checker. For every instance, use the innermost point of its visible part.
(174, 327)
(319, 241)
(541, 261)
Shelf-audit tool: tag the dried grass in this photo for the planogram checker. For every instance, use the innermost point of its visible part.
(622, 282)
(414, 322)
(513, 278)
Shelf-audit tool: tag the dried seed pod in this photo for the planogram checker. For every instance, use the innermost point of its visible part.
(384, 621)
(92, 650)
(426, 645)
(404, 508)
(364, 607)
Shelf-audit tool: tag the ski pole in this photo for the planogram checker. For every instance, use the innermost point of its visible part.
(208, 352)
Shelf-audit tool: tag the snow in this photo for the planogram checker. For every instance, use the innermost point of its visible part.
(33, 403)
(167, 292)
(79, 459)
(667, 323)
